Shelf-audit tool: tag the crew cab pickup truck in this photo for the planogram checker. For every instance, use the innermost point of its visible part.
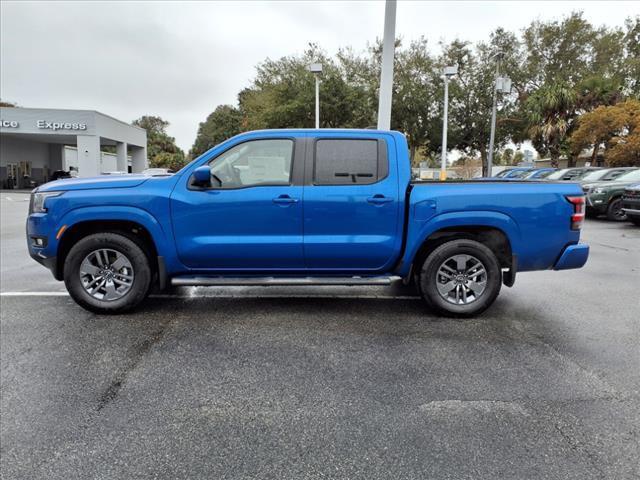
(302, 207)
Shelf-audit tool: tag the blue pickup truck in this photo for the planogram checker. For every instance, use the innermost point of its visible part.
(302, 207)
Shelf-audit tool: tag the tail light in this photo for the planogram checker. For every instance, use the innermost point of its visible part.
(577, 219)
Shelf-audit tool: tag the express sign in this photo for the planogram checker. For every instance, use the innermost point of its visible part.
(61, 125)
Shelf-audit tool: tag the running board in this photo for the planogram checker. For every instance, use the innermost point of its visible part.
(280, 281)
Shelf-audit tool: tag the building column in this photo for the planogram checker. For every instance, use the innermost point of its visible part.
(89, 161)
(121, 157)
(138, 159)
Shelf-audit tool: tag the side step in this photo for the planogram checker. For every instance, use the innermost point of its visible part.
(280, 281)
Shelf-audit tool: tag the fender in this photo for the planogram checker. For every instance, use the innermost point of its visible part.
(420, 231)
(163, 239)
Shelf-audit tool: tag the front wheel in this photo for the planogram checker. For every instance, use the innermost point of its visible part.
(460, 278)
(107, 273)
(615, 212)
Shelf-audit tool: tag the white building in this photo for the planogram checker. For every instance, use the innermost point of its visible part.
(35, 142)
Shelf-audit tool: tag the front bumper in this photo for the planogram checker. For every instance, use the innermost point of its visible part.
(597, 202)
(574, 256)
(39, 225)
(631, 206)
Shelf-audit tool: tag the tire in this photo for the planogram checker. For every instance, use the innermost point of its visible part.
(107, 265)
(614, 211)
(462, 299)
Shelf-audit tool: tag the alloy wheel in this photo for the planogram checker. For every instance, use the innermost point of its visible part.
(461, 279)
(106, 274)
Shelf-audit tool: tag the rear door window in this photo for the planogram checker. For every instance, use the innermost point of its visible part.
(349, 161)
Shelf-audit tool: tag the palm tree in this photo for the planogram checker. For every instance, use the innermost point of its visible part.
(550, 112)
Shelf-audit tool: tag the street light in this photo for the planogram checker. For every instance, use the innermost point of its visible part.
(448, 73)
(503, 85)
(316, 69)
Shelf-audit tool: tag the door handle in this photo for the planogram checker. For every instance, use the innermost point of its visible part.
(379, 199)
(285, 200)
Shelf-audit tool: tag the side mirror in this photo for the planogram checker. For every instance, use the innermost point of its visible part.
(202, 176)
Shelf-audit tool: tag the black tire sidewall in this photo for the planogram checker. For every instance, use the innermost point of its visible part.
(455, 247)
(611, 210)
(122, 244)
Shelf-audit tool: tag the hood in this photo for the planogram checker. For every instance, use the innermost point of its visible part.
(92, 183)
(610, 183)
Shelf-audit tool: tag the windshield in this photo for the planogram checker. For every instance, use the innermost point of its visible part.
(558, 174)
(632, 176)
(594, 176)
(502, 173)
(543, 174)
(519, 174)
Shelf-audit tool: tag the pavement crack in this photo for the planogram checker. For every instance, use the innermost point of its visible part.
(135, 356)
(577, 447)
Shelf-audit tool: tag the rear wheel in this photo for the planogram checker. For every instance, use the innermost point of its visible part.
(107, 273)
(615, 212)
(460, 278)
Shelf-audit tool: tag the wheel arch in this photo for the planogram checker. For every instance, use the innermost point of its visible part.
(493, 237)
(133, 230)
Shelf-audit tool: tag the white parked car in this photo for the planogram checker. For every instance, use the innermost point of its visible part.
(155, 172)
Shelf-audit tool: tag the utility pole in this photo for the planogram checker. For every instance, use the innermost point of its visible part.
(448, 72)
(316, 69)
(497, 56)
(502, 85)
(386, 73)
(317, 101)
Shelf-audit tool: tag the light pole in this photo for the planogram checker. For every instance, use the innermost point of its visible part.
(502, 84)
(448, 73)
(386, 72)
(316, 69)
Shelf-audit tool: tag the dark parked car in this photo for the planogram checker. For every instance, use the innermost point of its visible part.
(631, 203)
(606, 197)
(572, 174)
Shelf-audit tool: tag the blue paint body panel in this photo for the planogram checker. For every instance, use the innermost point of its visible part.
(574, 256)
(334, 229)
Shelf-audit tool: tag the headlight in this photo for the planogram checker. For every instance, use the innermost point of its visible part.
(38, 201)
(599, 190)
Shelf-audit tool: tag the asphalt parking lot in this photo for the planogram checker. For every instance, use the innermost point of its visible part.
(358, 383)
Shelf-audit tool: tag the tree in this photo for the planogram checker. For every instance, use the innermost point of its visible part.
(617, 127)
(223, 123)
(550, 111)
(417, 98)
(282, 95)
(471, 94)
(162, 150)
(468, 167)
(507, 156)
(570, 68)
(7, 104)
(631, 67)
(517, 158)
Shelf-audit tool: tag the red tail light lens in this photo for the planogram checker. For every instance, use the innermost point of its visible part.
(577, 219)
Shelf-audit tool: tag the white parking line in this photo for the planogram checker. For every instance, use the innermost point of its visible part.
(206, 295)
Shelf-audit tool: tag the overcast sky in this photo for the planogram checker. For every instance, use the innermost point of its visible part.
(180, 60)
